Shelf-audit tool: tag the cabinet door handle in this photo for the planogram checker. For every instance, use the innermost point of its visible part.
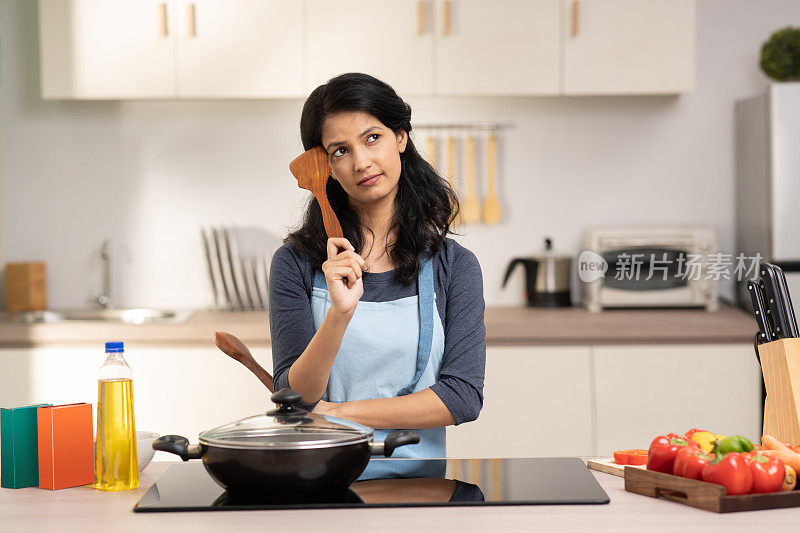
(163, 27)
(421, 12)
(191, 22)
(576, 17)
(448, 17)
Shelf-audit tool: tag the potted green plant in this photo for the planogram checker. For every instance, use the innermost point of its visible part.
(780, 55)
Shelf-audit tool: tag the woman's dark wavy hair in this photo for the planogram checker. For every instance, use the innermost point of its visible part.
(425, 206)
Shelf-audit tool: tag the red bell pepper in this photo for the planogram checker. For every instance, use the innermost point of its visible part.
(663, 449)
(689, 462)
(688, 434)
(630, 457)
(768, 472)
(732, 472)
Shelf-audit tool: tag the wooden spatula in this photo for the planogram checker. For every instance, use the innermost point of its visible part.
(233, 347)
(491, 204)
(312, 170)
(430, 151)
(452, 171)
(471, 206)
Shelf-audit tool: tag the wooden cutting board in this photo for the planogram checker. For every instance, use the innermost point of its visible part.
(609, 466)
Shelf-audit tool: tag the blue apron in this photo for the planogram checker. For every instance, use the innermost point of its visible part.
(389, 349)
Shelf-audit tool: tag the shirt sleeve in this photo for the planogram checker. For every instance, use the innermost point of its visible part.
(460, 384)
(290, 320)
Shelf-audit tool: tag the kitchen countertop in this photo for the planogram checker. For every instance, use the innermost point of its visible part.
(504, 326)
(83, 509)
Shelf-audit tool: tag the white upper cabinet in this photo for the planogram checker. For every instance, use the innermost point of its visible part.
(132, 49)
(628, 46)
(392, 40)
(106, 49)
(240, 48)
(119, 49)
(503, 47)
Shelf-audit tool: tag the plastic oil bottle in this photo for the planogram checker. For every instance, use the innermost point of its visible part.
(115, 460)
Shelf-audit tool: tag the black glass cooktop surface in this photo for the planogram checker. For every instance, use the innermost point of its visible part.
(430, 482)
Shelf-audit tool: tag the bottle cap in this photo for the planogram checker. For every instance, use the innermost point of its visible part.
(114, 347)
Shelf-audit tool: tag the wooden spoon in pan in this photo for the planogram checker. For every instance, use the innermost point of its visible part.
(233, 347)
(312, 171)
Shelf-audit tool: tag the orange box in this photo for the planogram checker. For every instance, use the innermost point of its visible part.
(66, 450)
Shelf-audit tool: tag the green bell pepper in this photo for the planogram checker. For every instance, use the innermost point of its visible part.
(734, 443)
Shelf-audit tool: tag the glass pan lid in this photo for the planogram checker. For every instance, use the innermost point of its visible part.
(306, 430)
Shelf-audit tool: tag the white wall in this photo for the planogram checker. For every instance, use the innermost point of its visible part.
(147, 174)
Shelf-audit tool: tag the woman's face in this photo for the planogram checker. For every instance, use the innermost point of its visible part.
(364, 155)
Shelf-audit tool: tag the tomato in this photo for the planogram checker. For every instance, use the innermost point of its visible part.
(630, 457)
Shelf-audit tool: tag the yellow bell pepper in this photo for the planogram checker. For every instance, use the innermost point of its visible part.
(706, 440)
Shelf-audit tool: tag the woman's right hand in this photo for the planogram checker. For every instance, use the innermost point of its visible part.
(343, 276)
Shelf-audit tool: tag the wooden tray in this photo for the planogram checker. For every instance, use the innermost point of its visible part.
(608, 466)
(701, 494)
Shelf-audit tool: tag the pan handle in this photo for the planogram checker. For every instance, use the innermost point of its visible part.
(179, 446)
(393, 440)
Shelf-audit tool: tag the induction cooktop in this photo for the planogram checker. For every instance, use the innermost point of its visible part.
(425, 482)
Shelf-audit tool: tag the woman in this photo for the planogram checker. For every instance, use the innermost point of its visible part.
(385, 326)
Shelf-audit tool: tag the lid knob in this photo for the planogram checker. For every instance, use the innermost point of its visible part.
(548, 243)
(285, 399)
(286, 396)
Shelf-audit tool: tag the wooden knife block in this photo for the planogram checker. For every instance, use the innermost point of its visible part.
(780, 365)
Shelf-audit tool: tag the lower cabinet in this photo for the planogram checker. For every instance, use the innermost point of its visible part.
(537, 402)
(592, 400)
(644, 391)
(179, 390)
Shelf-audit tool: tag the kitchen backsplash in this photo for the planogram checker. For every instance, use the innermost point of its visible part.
(147, 175)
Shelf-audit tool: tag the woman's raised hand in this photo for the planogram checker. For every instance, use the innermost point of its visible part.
(343, 275)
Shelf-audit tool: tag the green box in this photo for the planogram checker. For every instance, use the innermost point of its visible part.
(19, 447)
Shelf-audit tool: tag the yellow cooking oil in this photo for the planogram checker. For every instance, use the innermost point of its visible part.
(116, 462)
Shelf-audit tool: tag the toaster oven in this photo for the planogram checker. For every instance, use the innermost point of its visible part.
(649, 267)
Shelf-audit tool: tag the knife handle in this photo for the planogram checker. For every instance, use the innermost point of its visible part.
(773, 300)
(759, 311)
(783, 287)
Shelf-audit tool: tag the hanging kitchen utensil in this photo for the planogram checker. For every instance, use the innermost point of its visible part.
(451, 161)
(312, 171)
(471, 206)
(236, 349)
(491, 204)
(286, 451)
(430, 150)
(452, 169)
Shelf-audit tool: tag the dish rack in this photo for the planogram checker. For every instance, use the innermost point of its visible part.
(238, 260)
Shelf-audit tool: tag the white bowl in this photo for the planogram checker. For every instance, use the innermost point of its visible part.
(144, 448)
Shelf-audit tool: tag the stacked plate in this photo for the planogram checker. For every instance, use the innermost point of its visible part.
(238, 263)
